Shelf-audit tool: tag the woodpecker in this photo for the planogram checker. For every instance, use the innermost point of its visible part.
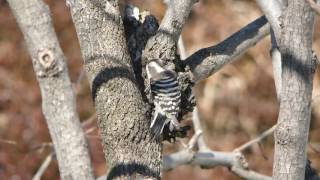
(166, 95)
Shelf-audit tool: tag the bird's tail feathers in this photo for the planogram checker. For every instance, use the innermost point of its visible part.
(157, 125)
(174, 124)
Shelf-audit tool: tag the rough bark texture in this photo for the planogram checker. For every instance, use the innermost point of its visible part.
(291, 135)
(58, 100)
(123, 116)
(164, 44)
(207, 61)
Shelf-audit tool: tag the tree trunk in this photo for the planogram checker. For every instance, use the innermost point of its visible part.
(58, 102)
(291, 135)
(123, 116)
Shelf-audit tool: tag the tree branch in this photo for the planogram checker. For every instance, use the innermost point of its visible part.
(182, 49)
(273, 10)
(45, 164)
(276, 65)
(207, 61)
(123, 116)
(298, 69)
(315, 7)
(207, 158)
(257, 139)
(58, 102)
(163, 44)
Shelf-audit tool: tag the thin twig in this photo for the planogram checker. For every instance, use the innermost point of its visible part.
(196, 121)
(90, 120)
(314, 149)
(90, 130)
(257, 139)
(193, 140)
(207, 158)
(10, 142)
(314, 6)
(269, 131)
(77, 84)
(42, 146)
(45, 164)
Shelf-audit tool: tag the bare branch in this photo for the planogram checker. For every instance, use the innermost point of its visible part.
(45, 164)
(163, 44)
(90, 120)
(175, 17)
(257, 139)
(176, 159)
(314, 6)
(271, 130)
(276, 65)
(77, 84)
(207, 61)
(42, 146)
(58, 102)
(182, 49)
(10, 142)
(198, 130)
(291, 135)
(314, 149)
(193, 141)
(272, 10)
(210, 159)
(196, 121)
(207, 158)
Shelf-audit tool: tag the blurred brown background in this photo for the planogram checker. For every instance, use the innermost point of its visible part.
(236, 104)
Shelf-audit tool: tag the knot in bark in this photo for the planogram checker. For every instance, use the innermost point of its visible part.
(46, 59)
(47, 63)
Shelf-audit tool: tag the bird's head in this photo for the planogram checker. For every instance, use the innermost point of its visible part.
(155, 70)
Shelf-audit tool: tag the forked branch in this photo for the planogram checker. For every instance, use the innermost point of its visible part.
(207, 158)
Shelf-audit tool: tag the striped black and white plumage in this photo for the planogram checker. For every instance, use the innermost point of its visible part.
(166, 95)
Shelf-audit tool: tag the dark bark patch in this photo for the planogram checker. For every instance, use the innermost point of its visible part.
(106, 75)
(302, 68)
(227, 47)
(132, 170)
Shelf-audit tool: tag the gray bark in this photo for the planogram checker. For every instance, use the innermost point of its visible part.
(315, 6)
(273, 10)
(276, 65)
(207, 61)
(123, 116)
(58, 102)
(291, 134)
(207, 158)
(163, 45)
